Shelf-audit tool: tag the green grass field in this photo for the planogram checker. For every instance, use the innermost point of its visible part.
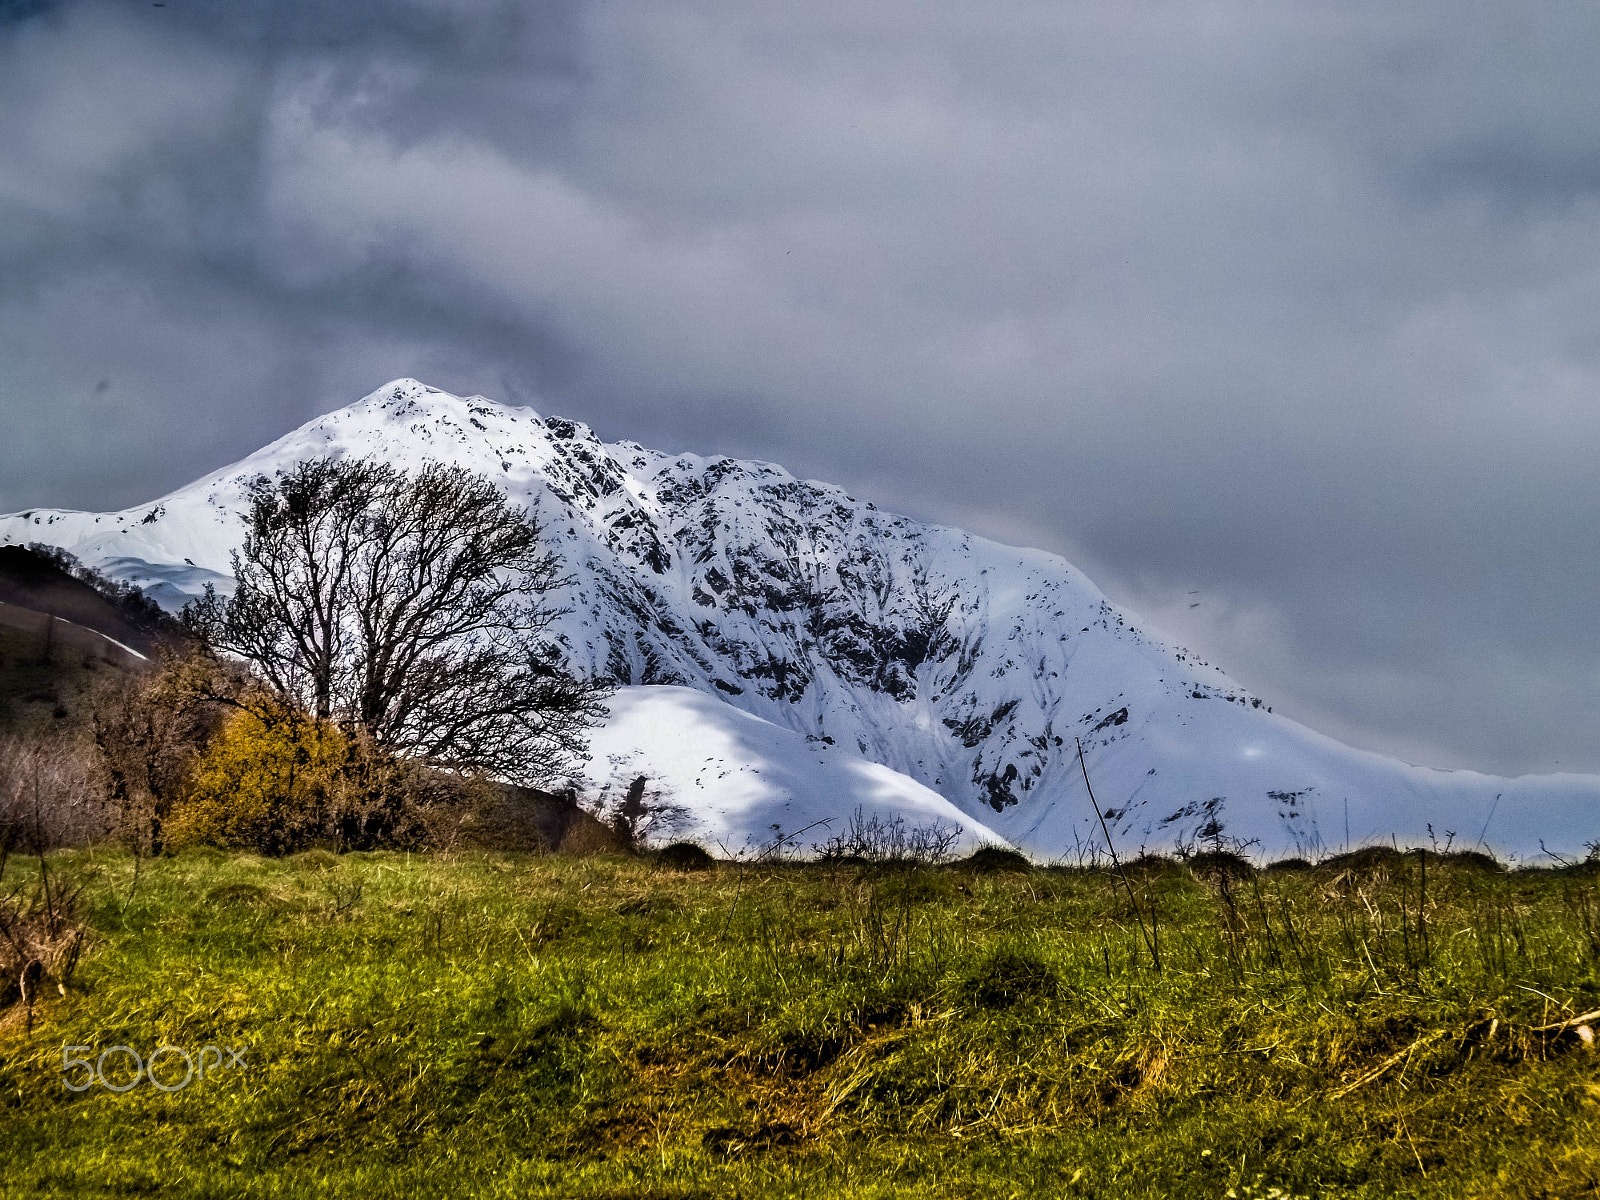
(503, 1025)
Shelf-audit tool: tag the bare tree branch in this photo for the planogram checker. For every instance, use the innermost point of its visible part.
(410, 607)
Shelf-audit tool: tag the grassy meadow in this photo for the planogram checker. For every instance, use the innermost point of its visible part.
(497, 1025)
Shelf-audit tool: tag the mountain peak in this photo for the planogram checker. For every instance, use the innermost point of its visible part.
(974, 668)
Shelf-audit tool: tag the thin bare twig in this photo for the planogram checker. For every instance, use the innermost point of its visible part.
(1149, 938)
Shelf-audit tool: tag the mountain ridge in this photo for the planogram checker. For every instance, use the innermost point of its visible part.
(970, 666)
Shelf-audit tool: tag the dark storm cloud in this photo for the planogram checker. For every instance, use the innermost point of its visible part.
(1288, 307)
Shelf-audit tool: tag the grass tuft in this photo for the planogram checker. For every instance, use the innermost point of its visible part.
(685, 856)
(993, 860)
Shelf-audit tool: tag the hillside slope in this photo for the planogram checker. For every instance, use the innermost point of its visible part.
(33, 586)
(969, 666)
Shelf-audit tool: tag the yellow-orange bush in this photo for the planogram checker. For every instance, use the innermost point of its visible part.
(271, 781)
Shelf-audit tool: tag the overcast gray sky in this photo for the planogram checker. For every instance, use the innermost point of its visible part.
(1282, 321)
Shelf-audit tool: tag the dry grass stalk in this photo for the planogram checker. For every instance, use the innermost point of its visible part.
(1582, 1019)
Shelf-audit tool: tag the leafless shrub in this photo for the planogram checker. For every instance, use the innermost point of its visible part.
(48, 792)
(890, 842)
(41, 935)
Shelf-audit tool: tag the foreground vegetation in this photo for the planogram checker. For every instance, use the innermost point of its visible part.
(542, 1026)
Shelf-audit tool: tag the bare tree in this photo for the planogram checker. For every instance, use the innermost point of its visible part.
(290, 612)
(409, 607)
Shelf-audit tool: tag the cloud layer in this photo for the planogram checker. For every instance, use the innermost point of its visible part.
(1278, 320)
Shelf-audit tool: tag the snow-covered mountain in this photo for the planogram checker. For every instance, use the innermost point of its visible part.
(732, 781)
(971, 667)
